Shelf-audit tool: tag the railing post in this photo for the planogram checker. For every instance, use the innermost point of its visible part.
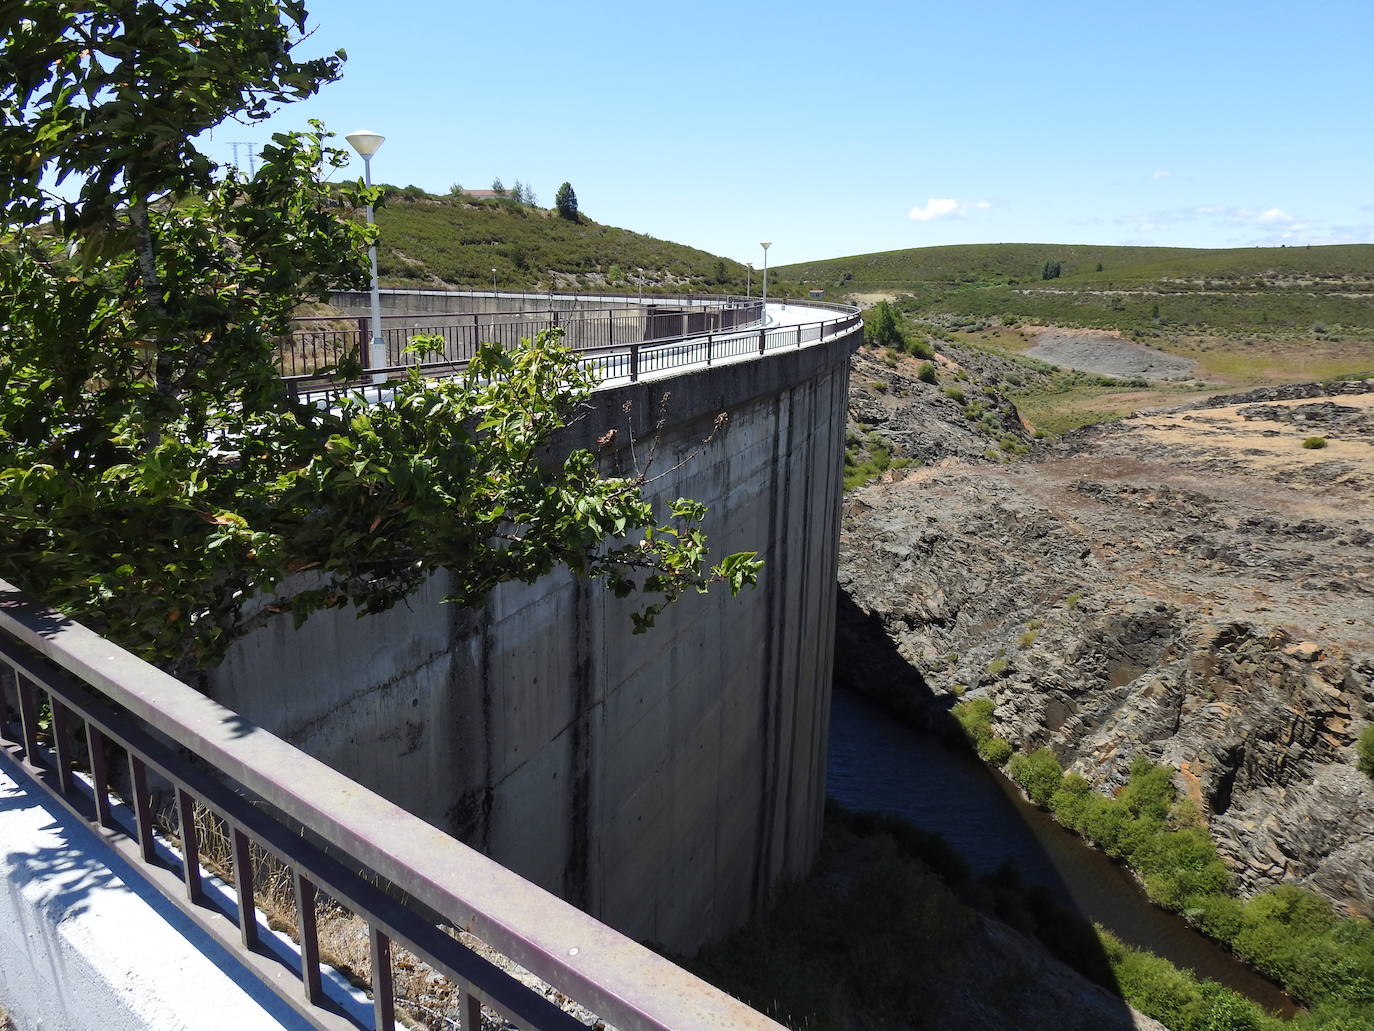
(710, 343)
(634, 363)
(763, 333)
(799, 336)
(685, 324)
(364, 339)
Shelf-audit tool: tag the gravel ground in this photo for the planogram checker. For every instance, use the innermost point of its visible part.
(1108, 355)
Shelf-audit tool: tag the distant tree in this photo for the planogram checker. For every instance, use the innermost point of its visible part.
(456, 190)
(719, 270)
(518, 192)
(615, 275)
(498, 187)
(1051, 269)
(565, 200)
(1099, 266)
(881, 326)
(530, 198)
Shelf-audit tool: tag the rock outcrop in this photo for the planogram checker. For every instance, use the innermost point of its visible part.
(1194, 586)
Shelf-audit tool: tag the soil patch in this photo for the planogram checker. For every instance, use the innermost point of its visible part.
(1108, 355)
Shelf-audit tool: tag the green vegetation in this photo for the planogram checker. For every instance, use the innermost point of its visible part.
(879, 933)
(995, 750)
(1289, 933)
(157, 476)
(565, 202)
(1313, 443)
(424, 240)
(867, 456)
(1364, 751)
(997, 665)
(926, 373)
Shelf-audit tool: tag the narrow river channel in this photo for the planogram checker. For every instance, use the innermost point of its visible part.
(879, 765)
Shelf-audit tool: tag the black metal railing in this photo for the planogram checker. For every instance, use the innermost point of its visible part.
(89, 721)
(705, 338)
(321, 342)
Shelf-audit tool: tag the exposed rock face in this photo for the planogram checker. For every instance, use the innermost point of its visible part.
(1194, 586)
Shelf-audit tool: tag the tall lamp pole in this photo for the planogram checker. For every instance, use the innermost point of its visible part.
(765, 244)
(366, 143)
(493, 280)
(749, 283)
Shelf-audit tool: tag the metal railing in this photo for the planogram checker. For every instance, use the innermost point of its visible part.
(319, 342)
(113, 719)
(700, 342)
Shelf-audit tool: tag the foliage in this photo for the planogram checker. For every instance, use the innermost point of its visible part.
(974, 716)
(1038, 773)
(882, 327)
(926, 373)
(565, 202)
(1051, 269)
(1364, 751)
(995, 750)
(460, 239)
(158, 480)
(1314, 443)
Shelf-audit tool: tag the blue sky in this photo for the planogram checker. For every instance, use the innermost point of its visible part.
(844, 128)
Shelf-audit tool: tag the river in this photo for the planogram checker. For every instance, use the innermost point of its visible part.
(879, 765)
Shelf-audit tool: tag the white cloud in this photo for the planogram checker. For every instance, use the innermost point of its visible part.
(944, 207)
(1162, 173)
(1274, 215)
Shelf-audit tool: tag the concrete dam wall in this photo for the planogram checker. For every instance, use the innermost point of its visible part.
(666, 783)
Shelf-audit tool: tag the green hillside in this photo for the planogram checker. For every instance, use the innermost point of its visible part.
(996, 263)
(431, 241)
(1269, 290)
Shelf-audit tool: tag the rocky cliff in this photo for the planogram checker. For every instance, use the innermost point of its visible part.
(1196, 586)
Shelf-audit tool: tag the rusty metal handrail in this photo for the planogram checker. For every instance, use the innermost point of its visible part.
(276, 796)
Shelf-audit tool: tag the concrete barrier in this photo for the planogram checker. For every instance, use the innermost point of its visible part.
(666, 783)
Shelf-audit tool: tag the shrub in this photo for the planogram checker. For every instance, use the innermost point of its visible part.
(995, 750)
(954, 394)
(1038, 773)
(1219, 916)
(997, 665)
(1364, 751)
(920, 347)
(926, 373)
(975, 719)
(1027, 639)
(881, 326)
(1314, 442)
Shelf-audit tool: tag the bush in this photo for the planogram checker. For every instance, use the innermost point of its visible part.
(975, 719)
(881, 327)
(995, 750)
(1038, 773)
(1364, 751)
(926, 373)
(1314, 442)
(920, 347)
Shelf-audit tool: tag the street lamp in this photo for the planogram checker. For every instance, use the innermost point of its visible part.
(366, 143)
(749, 283)
(493, 280)
(765, 244)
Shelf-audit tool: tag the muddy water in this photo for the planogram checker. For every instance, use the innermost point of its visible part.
(877, 765)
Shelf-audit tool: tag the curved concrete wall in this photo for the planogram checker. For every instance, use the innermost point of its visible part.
(665, 782)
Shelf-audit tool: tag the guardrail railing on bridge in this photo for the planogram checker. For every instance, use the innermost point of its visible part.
(116, 719)
(320, 341)
(700, 343)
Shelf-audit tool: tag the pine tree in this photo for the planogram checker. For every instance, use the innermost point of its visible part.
(565, 200)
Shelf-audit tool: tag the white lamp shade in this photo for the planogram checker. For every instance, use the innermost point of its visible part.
(365, 141)
(765, 244)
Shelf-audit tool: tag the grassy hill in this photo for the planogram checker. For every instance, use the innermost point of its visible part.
(1267, 290)
(434, 241)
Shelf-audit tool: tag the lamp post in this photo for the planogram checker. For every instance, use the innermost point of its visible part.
(493, 280)
(765, 244)
(749, 282)
(366, 143)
